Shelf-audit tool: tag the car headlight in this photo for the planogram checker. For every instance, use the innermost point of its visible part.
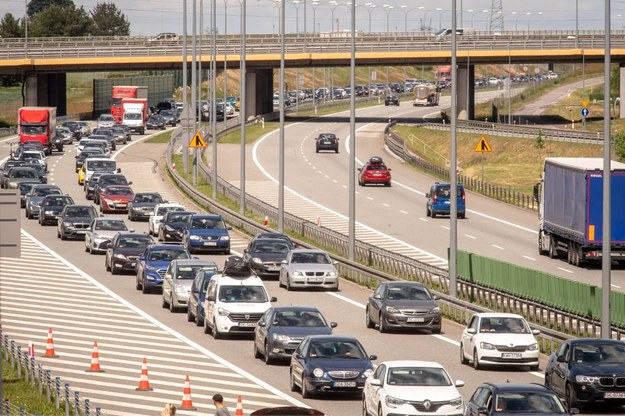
(318, 372)
(367, 373)
(435, 310)
(68, 225)
(532, 347)
(194, 237)
(456, 402)
(391, 309)
(48, 212)
(108, 201)
(12, 184)
(119, 256)
(332, 274)
(486, 346)
(180, 290)
(281, 337)
(168, 227)
(298, 273)
(223, 312)
(257, 260)
(586, 379)
(394, 401)
(224, 238)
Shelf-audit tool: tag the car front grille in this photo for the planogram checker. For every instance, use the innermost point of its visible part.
(427, 406)
(80, 225)
(516, 348)
(245, 317)
(209, 238)
(343, 375)
(161, 273)
(412, 312)
(612, 381)
(314, 274)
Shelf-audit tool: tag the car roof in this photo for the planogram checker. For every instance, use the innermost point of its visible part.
(169, 245)
(307, 250)
(169, 204)
(206, 216)
(403, 283)
(44, 186)
(498, 315)
(251, 280)
(296, 308)
(331, 338)
(508, 387)
(195, 262)
(411, 363)
(132, 234)
(591, 341)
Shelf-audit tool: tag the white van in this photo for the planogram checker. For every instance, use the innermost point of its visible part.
(234, 304)
(99, 164)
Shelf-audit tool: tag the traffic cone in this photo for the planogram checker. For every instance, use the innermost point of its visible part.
(239, 410)
(50, 346)
(144, 384)
(31, 349)
(187, 403)
(95, 360)
(266, 222)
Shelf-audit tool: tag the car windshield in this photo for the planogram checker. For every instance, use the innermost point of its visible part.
(101, 165)
(528, 402)
(599, 353)
(274, 247)
(80, 212)
(299, 318)
(31, 156)
(168, 254)
(208, 223)
(110, 225)
(376, 166)
(46, 191)
(310, 258)
(118, 190)
(147, 198)
(134, 242)
(418, 376)
(106, 118)
(504, 325)
(57, 201)
(336, 349)
(164, 210)
(408, 293)
(176, 217)
(188, 272)
(24, 173)
(242, 294)
(115, 180)
(132, 116)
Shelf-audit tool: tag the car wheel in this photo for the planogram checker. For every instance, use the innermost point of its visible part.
(172, 308)
(463, 359)
(292, 384)
(427, 212)
(365, 412)
(137, 283)
(553, 253)
(161, 237)
(382, 327)
(164, 303)
(547, 381)
(190, 317)
(305, 392)
(197, 318)
(288, 284)
(461, 216)
(436, 330)
(257, 353)
(130, 216)
(380, 413)
(58, 234)
(63, 236)
(144, 288)
(216, 333)
(207, 329)
(113, 269)
(476, 361)
(106, 265)
(227, 252)
(268, 359)
(387, 184)
(570, 396)
(433, 214)
(368, 322)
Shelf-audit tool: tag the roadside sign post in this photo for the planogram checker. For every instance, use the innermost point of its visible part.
(585, 112)
(483, 147)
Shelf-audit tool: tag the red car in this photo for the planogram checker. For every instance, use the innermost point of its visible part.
(374, 171)
(116, 198)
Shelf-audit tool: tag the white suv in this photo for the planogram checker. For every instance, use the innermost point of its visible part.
(234, 304)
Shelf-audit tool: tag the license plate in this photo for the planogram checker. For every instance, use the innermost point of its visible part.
(247, 324)
(377, 174)
(344, 384)
(415, 319)
(210, 243)
(81, 232)
(315, 279)
(273, 268)
(514, 355)
(121, 205)
(614, 395)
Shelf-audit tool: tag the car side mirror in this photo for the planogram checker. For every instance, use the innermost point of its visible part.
(119, 170)
(299, 356)
(427, 194)
(109, 245)
(561, 359)
(377, 296)
(245, 251)
(333, 324)
(130, 183)
(536, 332)
(373, 357)
(141, 258)
(471, 331)
(210, 298)
(273, 299)
(459, 383)
(132, 230)
(376, 382)
(261, 324)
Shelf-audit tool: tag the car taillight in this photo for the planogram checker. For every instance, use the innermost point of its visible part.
(463, 196)
(434, 198)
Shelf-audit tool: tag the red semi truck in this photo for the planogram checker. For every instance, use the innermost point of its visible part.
(124, 91)
(39, 124)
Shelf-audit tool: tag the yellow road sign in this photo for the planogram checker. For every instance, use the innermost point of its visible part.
(197, 141)
(585, 103)
(483, 146)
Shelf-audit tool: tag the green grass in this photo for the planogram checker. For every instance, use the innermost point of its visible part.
(163, 137)
(252, 133)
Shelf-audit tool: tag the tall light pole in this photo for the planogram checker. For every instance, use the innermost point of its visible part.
(281, 139)
(296, 4)
(529, 17)
(440, 17)
(314, 6)
(225, 62)
(473, 13)
(387, 9)
(26, 27)
(243, 103)
(425, 15)
(405, 9)
(370, 7)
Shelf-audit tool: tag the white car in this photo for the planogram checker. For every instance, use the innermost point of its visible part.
(101, 231)
(157, 215)
(306, 268)
(410, 387)
(499, 339)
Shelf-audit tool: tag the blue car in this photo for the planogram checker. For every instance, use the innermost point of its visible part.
(195, 311)
(206, 232)
(153, 263)
(439, 203)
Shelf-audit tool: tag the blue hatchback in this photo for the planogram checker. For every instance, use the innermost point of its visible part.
(439, 201)
(153, 263)
(206, 232)
(195, 311)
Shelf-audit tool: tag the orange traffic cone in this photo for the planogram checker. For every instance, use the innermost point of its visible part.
(144, 384)
(50, 346)
(187, 403)
(239, 410)
(95, 360)
(266, 222)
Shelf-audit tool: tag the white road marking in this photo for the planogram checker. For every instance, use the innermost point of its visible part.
(529, 258)
(565, 270)
(472, 237)
(496, 246)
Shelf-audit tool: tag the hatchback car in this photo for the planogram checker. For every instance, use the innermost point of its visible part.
(411, 387)
(172, 225)
(153, 263)
(123, 251)
(499, 339)
(143, 204)
(329, 363)
(169, 116)
(265, 253)
(51, 207)
(35, 196)
(106, 180)
(439, 200)
(403, 305)
(491, 399)
(178, 280)
(588, 371)
(19, 174)
(74, 221)
(24, 188)
(197, 296)
(206, 232)
(308, 268)
(106, 120)
(115, 198)
(101, 231)
(374, 171)
(327, 141)
(391, 100)
(156, 216)
(282, 328)
(155, 122)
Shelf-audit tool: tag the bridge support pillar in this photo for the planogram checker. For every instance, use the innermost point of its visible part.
(259, 97)
(466, 92)
(47, 90)
(621, 90)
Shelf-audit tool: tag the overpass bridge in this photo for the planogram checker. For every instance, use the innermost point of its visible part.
(45, 61)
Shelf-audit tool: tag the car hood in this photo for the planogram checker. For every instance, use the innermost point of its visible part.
(161, 265)
(105, 233)
(130, 251)
(57, 208)
(421, 393)
(312, 267)
(411, 304)
(507, 339)
(329, 364)
(597, 369)
(301, 331)
(77, 219)
(186, 283)
(143, 204)
(202, 232)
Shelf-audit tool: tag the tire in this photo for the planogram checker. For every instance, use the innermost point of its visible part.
(190, 317)
(427, 212)
(541, 249)
(267, 357)
(476, 361)
(63, 237)
(463, 359)
(216, 333)
(461, 216)
(164, 303)
(292, 384)
(144, 288)
(436, 330)
(305, 392)
(58, 234)
(137, 284)
(553, 253)
(432, 214)
(197, 318)
(381, 325)
(534, 367)
(257, 353)
(107, 267)
(172, 308)
(365, 412)
(88, 249)
(288, 284)
(113, 269)
(368, 322)
(207, 329)
(569, 398)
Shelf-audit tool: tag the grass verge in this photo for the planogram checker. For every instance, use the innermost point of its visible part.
(163, 137)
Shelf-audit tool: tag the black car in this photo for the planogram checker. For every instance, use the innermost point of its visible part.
(41, 171)
(169, 116)
(119, 134)
(155, 122)
(327, 141)
(403, 305)
(18, 174)
(89, 186)
(51, 207)
(282, 328)
(265, 253)
(587, 371)
(501, 399)
(143, 204)
(6, 168)
(24, 188)
(74, 220)
(329, 363)
(74, 127)
(106, 180)
(107, 134)
(87, 152)
(172, 225)
(124, 250)
(391, 100)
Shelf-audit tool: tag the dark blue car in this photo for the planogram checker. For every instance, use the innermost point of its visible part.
(153, 263)
(439, 201)
(195, 311)
(329, 363)
(206, 232)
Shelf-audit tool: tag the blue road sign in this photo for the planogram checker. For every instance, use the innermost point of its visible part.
(585, 112)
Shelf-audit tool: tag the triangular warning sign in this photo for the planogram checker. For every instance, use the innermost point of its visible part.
(197, 140)
(483, 146)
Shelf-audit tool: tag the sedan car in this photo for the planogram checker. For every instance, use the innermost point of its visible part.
(491, 399)
(66, 135)
(206, 232)
(178, 280)
(101, 231)
(329, 363)
(169, 116)
(197, 296)
(391, 100)
(35, 196)
(73, 127)
(119, 134)
(588, 371)
(115, 198)
(327, 141)
(411, 387)
(123, 251)
(499, 339)
(282, 328)
(74, 221)
(306, 268)
(153, 263)
(374, 171)
(18, 174)
(143, 204)
(106, 180)
(155, 122)
(106, 120)
(403, 305)
(265, 253)
(25, 188)
(51, 207)
(156, 216)
(173, 225)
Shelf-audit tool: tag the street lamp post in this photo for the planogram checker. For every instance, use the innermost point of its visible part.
(529, 17)
(387, 9)
(440, 17)
(473, 13)
(296, 3)
(370, 7)
(314, 6)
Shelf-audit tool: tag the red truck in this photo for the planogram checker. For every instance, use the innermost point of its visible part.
(124, 91)
(39, 124)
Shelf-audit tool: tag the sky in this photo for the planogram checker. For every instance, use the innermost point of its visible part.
(150, 17)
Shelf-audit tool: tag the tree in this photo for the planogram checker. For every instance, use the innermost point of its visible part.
(60, 21)
(108, 20)
(619, 146)
(36, 6)
(10, 27)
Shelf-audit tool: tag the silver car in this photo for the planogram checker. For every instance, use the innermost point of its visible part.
(101, 231)
(305, 268)
(178, 280)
